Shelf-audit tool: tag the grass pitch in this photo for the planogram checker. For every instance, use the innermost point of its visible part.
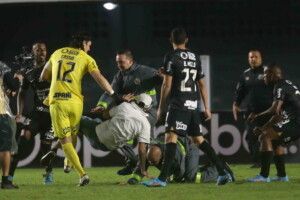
(104, 185)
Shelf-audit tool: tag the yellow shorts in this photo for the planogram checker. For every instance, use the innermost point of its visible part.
(65, 118)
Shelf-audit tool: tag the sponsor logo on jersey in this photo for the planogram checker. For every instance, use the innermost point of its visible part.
(62, 95)
(280, 124)
(191, 105)
(169, 66)
(260, 77)
(187, 55)
(66, 130)
(180, 125)
(137, 81)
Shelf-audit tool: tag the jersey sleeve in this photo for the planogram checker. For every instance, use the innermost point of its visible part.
(92, 65)
(279, 92)
(168, 65)
(241, 91)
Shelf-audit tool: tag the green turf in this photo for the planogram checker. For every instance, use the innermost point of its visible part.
(104, 186)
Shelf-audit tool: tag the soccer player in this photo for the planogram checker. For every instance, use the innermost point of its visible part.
(38, 120)
(7, 124)
(184, 82)
(282, 128)
(260, 95)
(65, 70)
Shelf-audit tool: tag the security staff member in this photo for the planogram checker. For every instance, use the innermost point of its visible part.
(252, 84)
(136, 79)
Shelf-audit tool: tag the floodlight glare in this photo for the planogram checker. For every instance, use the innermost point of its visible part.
(110, 6)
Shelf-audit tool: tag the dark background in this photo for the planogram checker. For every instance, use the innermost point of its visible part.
(224, 29)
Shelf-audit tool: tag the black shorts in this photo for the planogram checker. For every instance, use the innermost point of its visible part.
(6, 133)
(184, 123)
(40, 122)
(287, 130)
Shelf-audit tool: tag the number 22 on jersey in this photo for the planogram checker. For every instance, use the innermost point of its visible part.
(188, 73)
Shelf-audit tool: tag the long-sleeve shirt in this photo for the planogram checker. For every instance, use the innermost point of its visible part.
(252, 83)
(137, 79)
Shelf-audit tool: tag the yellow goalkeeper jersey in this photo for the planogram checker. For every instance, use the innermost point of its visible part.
(68, 66)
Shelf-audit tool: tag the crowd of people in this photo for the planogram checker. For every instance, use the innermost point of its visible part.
(127, 113)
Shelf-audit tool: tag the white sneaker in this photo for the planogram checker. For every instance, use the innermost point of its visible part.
(84, 180)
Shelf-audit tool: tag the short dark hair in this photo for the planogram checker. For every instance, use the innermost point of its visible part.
(78, 38)
(37, 42)
(274, 67)
(125, 52)
(178, 36)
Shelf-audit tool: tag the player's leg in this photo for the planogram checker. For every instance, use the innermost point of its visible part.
(172, 130)
(47, 137)
(24, 145)
(279, 161)
(266, 156)
(253, 144)
(60, 116)
(6, 133)
(195, 131)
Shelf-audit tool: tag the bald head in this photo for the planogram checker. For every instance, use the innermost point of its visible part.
(154, 155)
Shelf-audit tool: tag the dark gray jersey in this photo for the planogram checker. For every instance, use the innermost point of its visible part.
(185, 68)
(287, 92)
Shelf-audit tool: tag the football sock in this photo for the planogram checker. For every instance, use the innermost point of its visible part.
(210, 152)
(169, 156)
(280, 165)
(45, 149)
(266, 157)
(72, 156)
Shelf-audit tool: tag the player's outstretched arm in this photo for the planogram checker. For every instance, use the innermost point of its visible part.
(102, 82)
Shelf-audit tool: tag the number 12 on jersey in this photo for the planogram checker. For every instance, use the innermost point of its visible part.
(65, 73)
